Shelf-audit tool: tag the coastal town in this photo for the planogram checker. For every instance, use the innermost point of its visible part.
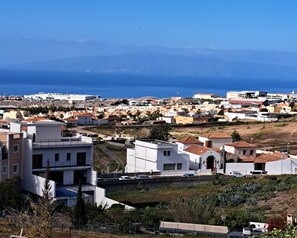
(104, 147)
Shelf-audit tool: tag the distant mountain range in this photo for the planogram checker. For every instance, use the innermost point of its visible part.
(102, 58)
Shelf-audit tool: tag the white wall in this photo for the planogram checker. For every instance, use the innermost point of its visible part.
(217, 143)
(243, 168)
(150, 156)
(286, 166)
(100, 198)
(15, 127)
(48, 133)
(35, 184)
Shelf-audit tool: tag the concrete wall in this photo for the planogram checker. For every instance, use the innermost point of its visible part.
(100, 198)
(47, 133)
(35, 184)
(243, 168)
(287, 166)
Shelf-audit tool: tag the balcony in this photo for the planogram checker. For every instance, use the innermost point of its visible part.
(64, 143)
(62, 166)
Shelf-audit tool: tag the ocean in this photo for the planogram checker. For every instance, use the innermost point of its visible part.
(21, 82)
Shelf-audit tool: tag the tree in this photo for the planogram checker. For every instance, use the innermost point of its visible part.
(10, 195)
(192, 210)
(235, 136)
(79, 217)
(160, 132)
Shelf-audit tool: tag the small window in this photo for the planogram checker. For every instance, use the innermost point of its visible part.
(16, 136)
(15, 148)
(57, 157)
(4, 169)
(68, 156)
(15, 168)
(251, 152)
(168, 153)
(164, 153)
(168, 166)
(244, 152)
(179, 166)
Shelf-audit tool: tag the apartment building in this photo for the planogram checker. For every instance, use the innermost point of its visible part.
(69, 159)
(11, 155)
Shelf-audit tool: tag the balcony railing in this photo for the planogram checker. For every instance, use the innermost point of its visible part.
(62, 143)
(61, 166)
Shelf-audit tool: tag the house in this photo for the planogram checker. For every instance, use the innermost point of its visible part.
(204, 160)
(69, 160)
(275, 163)
(155, 155)
(84, 119)
(11, 155)
(240, 151)
(215, 139)
(186, 142)
(206, 96)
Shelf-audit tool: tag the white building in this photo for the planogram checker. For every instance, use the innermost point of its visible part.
(203, 160)
(148, 156)
(60, 97)
(184, 143)
(215, 139)
(68, 159)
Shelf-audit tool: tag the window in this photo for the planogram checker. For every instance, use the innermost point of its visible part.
(166, 152)
(16, 136)
(15, 148)
(168, 166)
(4, 169)
(57, 157)
(37, 161)
(81, 158)
(15, 168)
(251, 152)
(244, 152)
(68, 156)
(179, 166)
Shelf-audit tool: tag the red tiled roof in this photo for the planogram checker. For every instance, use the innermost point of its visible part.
(35, 119)
(263, 158)
(216, 135)
(241, 144)
(197, 149)
(216, 149)
(189, 140)
(247, 159)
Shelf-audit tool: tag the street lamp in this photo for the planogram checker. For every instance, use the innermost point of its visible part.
(288, 147)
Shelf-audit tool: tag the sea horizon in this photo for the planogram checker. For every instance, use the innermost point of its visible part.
(107, 85)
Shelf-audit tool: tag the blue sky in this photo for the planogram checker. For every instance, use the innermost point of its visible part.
(239, 24)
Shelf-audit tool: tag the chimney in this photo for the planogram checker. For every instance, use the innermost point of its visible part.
(208, 143)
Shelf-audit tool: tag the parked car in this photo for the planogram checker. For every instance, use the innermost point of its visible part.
(188, 175)
(125, 178)
(258, 172)
(237, 174)
(143, 177)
